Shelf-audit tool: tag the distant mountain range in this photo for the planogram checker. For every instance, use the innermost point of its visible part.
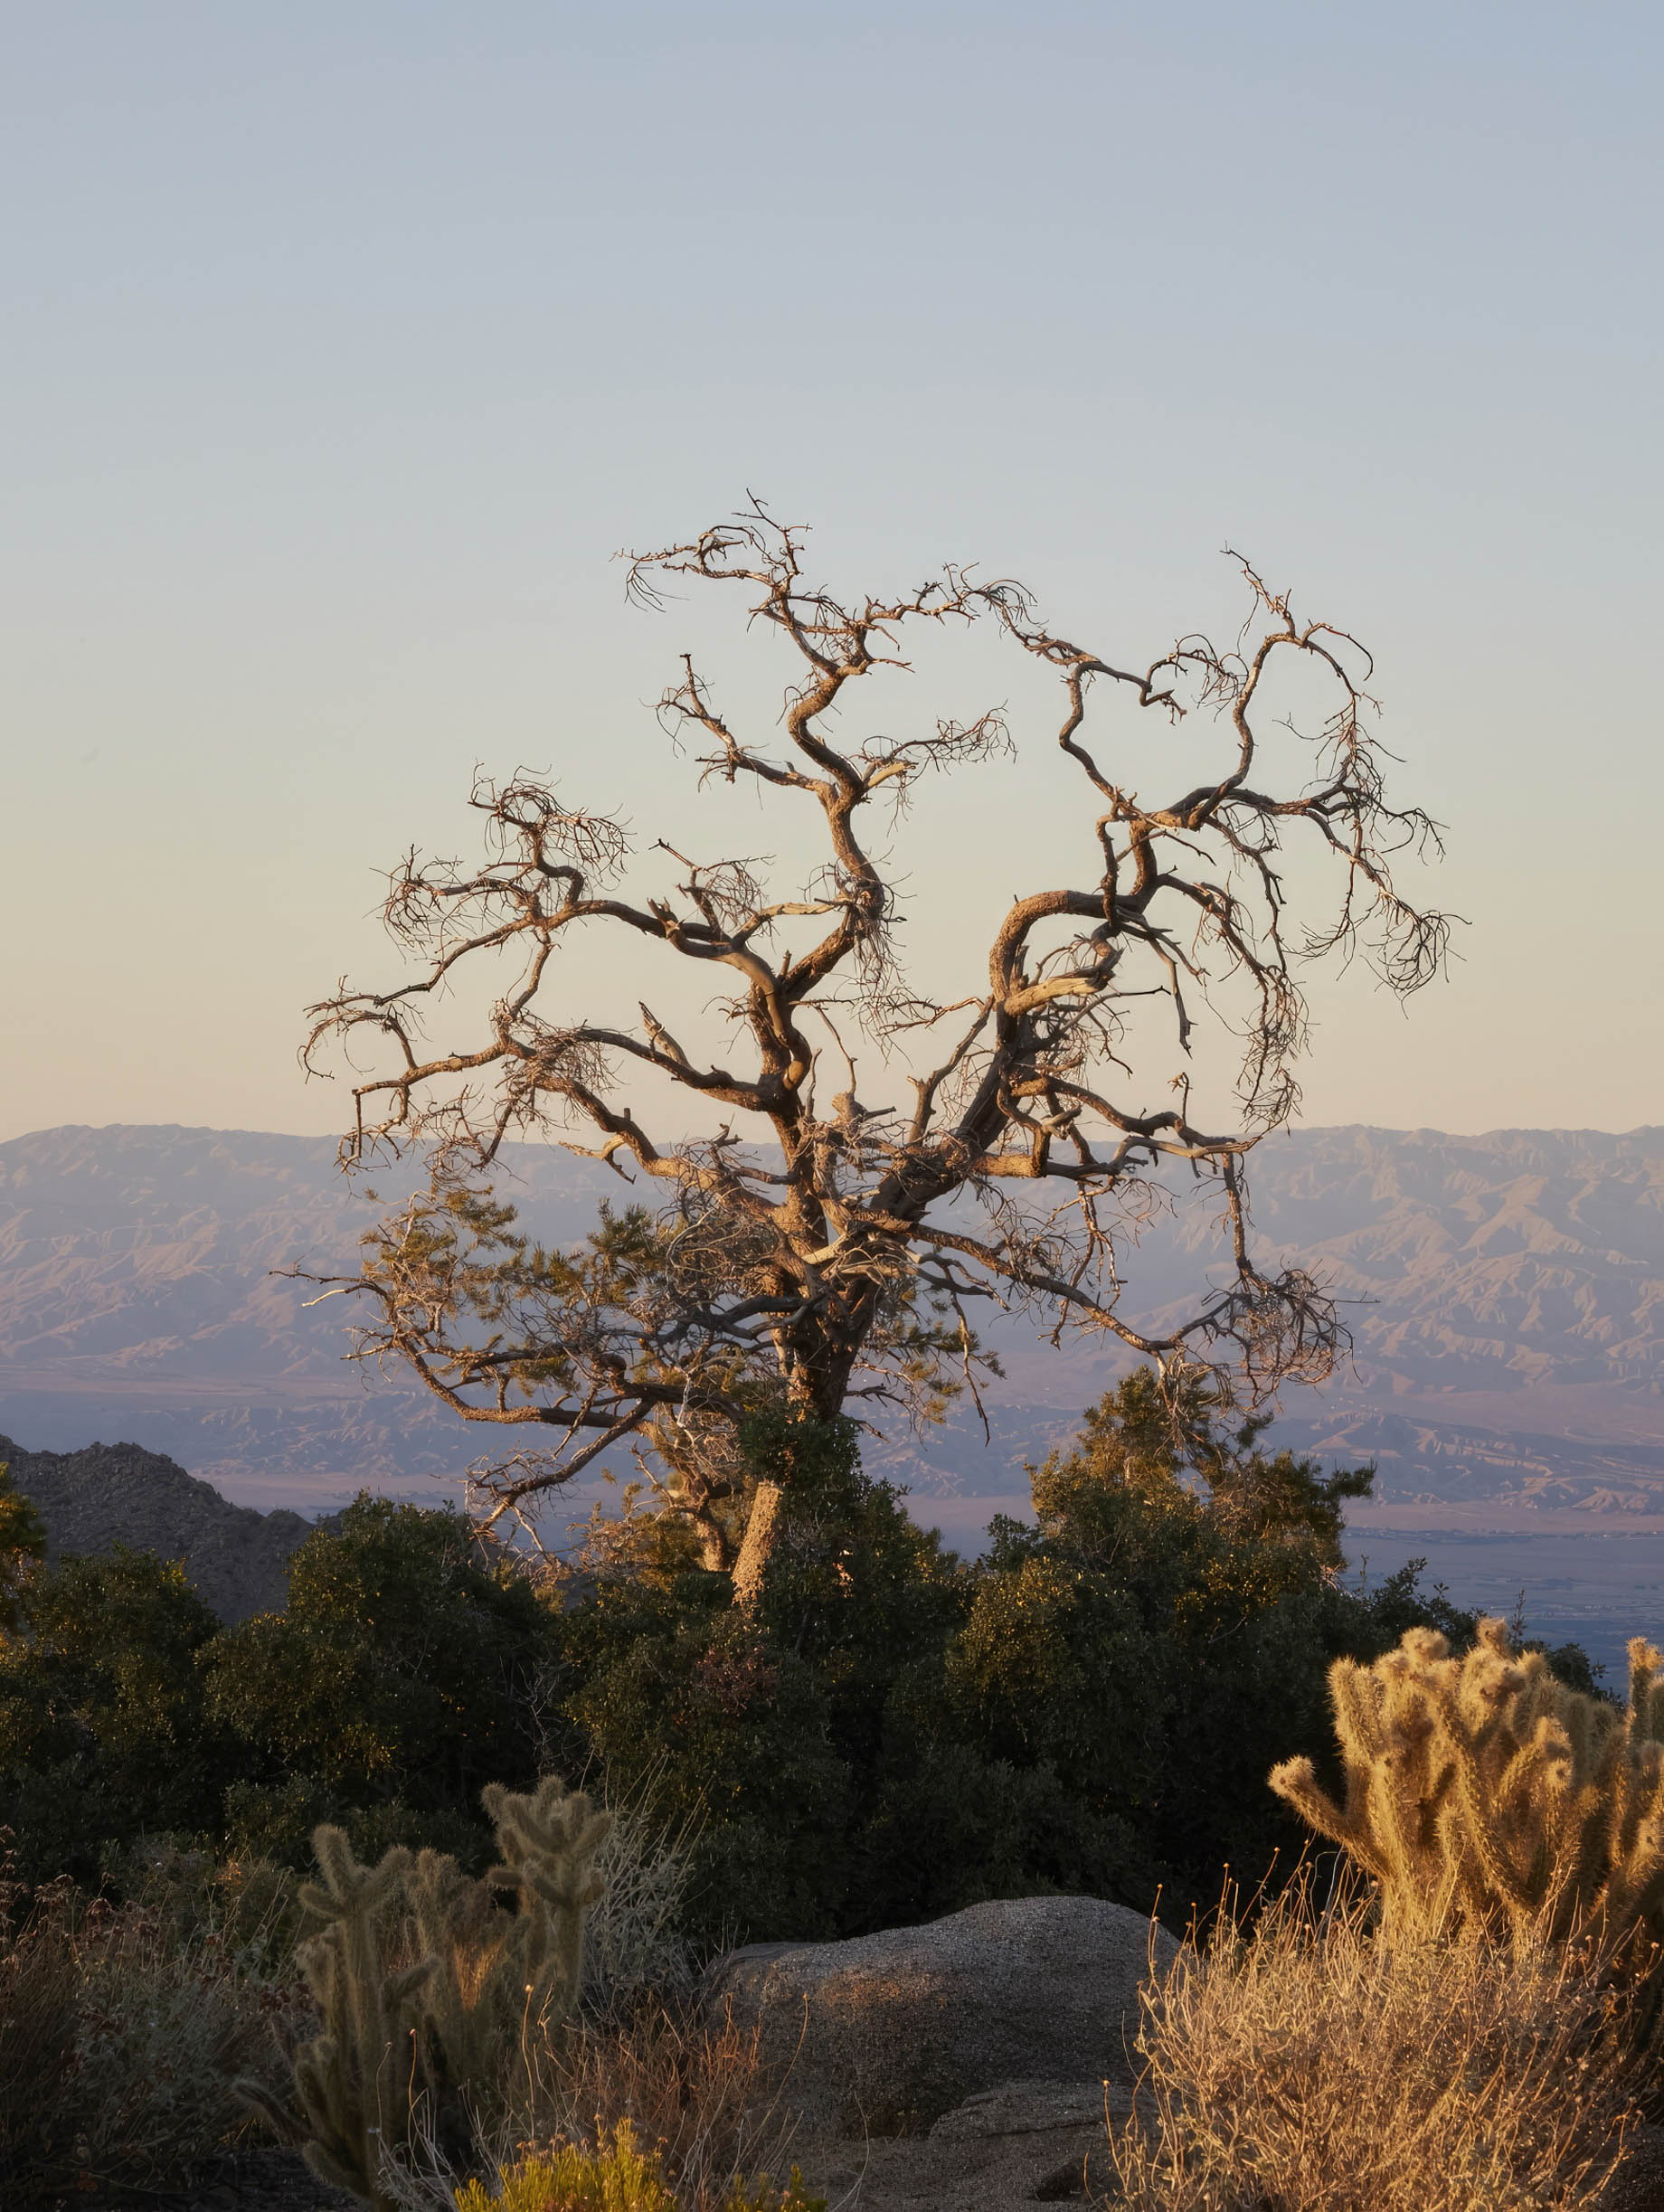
(1508, 1320)
(138, 1301)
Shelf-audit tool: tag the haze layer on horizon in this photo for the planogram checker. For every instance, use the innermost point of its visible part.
(342, 348)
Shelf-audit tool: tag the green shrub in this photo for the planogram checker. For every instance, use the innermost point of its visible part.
(1126, 1672)
(761, 1728)
(104, 1732)
(734, 1733)
(615, 2178)
(396, 1684)
(22, 1546)
(885, 1735)
(889, 1735)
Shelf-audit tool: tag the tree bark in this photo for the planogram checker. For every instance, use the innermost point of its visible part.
(762, 1528)
(715, 1553)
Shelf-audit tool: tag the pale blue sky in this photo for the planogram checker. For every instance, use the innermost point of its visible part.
(342, 345)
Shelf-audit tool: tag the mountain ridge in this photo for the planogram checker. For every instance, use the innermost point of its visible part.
(1507, 1315)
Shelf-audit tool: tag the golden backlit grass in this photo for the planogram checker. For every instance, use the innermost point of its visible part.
(1305, 2067)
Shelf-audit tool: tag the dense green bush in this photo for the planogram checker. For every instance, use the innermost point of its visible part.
(886, 1735)
(1149, 1646)
(762, 1728)
(104, 1728)
(396, 1685)
(891, 1734)
(22, 1546)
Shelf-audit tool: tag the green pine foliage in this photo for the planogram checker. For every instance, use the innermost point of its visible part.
(763, 1727)
(1152, 1644)
(890, 1735)
(393, 1687)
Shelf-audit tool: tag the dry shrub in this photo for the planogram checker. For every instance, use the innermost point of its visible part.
(633, 1942)
(696, 2092)
(166, 2027)
(119, 2040)
(39, 2016)
(252, 1904)
(1307, 2068)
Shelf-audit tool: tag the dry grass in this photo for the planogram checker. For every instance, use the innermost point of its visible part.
(696, 2092)
(39, 2018)
(1306, 2068)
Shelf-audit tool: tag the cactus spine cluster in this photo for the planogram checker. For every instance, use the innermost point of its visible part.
(1482, 1795)
(424, 1980)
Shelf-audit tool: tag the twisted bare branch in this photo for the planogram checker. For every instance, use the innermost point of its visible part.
(822, 1250)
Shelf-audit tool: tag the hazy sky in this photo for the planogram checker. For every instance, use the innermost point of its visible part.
(344, 345)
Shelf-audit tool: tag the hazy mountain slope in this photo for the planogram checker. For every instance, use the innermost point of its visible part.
(1509, 1327)
(1522, 1257)
(151, 1249)
(1509, 1332)
(137, 1300)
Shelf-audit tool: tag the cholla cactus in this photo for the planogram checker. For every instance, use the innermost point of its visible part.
(495, 1970)
(1482, 1794)
(357, 2082)
(548, 1842)
(400, 2048)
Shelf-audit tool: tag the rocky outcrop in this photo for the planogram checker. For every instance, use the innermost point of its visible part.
(888, 2034)
(236, 1559)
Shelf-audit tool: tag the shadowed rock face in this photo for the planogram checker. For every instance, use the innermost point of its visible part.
(1021, 2143)
(234, 1558)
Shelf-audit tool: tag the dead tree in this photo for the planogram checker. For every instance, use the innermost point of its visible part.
(824, 1250)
